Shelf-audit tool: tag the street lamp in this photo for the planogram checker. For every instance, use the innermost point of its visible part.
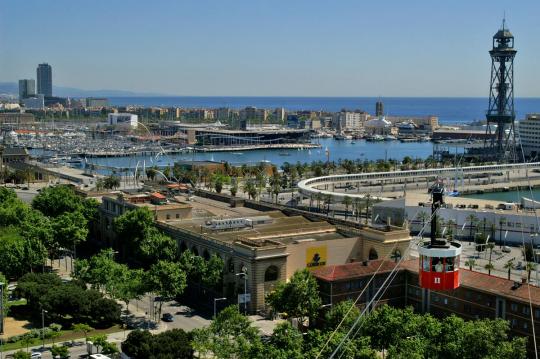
(215, 308)
(245, 290)
(43, 311)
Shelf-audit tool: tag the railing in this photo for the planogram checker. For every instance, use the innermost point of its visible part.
(306, 186)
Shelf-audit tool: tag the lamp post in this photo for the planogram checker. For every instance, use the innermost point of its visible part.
(43, 311)
(245, 289)
(215, 306)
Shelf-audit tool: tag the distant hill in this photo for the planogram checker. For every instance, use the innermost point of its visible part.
(13, 89)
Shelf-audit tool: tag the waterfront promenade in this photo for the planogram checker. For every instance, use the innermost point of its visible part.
(378, 184)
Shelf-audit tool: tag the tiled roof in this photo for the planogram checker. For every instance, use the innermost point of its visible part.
(158, 195)
(489, 284)
(352, 270)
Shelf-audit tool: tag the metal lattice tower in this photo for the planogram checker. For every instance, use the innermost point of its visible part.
(501, 96)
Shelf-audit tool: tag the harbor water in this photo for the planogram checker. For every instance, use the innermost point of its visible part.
(347, 149)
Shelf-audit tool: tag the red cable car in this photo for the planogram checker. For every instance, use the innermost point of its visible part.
(439, 258)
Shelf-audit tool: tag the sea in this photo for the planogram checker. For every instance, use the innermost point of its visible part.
(449, 110)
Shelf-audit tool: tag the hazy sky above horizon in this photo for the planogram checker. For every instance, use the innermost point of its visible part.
(269, 47)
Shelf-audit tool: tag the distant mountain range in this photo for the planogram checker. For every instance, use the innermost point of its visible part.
(12, 88)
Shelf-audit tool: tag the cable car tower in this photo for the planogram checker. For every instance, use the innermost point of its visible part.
(439, 258)
(501, 96)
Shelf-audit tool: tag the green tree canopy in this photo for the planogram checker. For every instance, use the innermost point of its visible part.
(299, 298)
(230, 335)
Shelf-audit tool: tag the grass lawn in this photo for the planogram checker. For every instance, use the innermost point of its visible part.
(66, 335)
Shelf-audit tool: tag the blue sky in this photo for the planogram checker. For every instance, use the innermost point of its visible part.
(269, 47)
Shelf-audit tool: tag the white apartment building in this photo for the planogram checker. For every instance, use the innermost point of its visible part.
(529, 134)
(350, 121)
(123, 120)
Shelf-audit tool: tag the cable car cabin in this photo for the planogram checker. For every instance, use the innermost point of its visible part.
(439, 265)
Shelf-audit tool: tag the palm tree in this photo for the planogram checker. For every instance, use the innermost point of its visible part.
(489, 267)
(490, 245)
(347, 201)
(470, 263)
(368, 197)
(529, 267)
(318, 198)
(472, 219)
(422, 216)
(357, 207)
(450, 224)
(509, 265)
(328, 201)
(502, 222)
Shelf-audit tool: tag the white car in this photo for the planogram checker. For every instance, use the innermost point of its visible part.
(35, 355)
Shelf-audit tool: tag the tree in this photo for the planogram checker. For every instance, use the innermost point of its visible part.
(99, 341)
(132, 224)
(346, 311)
(509, 265)
(60, 352)
(529, 267)
(167, 279)
(347, 201)
(472, 219)
(470, 263)
(286, 342)
(230, 335)
(19, 255)
(299, 298)
(129, 285)
(70, 229)
(21, 355)
(234, 187)
(489, 267)
(54, 201)
(84, 329)
(171, 344)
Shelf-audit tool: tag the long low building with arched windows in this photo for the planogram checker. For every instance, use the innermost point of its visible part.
(267, 245)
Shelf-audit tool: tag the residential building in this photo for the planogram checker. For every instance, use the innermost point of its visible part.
(479, 295)
(36, 102)
(351, 121)
(529, 135)
(44, 79)
(280, 114)
(97, 102)
(223, 114)
(27, 88)
(253, 114)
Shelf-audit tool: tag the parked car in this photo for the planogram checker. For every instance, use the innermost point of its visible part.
(35, 355)
(167, 317)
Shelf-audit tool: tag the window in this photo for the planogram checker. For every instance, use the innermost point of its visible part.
(373, 254)
(437, 264)
(526, 310)
(525, 325)
(449, 264)
(425, 264)
(271, 274)
(445, 300)
(168, 216)
(514, 307)
(177, 215)
(537, 313)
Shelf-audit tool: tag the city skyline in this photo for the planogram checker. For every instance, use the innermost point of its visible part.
(269, 49)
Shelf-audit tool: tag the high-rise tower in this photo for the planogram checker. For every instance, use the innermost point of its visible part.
(44, 79)
(379, 108)
(501, 96)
